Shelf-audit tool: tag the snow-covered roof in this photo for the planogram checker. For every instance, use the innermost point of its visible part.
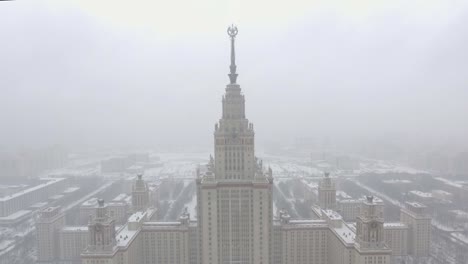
(421, 194)
(48, 182)
(39, 205)
(395, 225)
(351, 201)
(120, 197)
(90, 202)
(75, 229)
(305, 224)
(71, 189)
(345, 233)
(416, 204)
(441, 192)
(125, 236)
(167, 226)
(136, 217)
(460, 213)
(56, 197)
(343, 194)
(461, 237)
(449, 182)
(397, 181)
(333, 215)
(16, 215)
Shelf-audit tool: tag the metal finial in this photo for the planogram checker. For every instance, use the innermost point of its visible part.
(232, 32)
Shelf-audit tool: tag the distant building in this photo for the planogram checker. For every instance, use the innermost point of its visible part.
(73, 240)
(396, 238)
(115, 164)
(24, 198)
(51, 220)
(346, 163)
(140, 194)
(101, 237)
(300, 241)
(118, 209)
(327, 193)
(420, 196)
(167, 242)
(441, 195)
(416, 217)
(349, 208)
(133, 163)
(460, 163)
(370, 237)
(30, 163)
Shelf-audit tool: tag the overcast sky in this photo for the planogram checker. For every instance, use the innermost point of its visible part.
(119, 73)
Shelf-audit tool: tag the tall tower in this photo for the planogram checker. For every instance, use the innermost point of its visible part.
(417, 217)
(234, 135)
(369, 224)
(327, 192)
(370, 237)
(235, 194)
(50, 221)
(140, 194)
(101, 243)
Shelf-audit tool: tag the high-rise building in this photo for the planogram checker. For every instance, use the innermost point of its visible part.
(235, 208)
(49, 223)
(235, 223)
(23, 199)
(349, 208)
(370, 236)
(73, 240)
(140, 194)
(327, 193)
(396, 237)
(416, 217)
(102, 237)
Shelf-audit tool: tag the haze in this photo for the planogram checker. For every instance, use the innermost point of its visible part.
(150, 73)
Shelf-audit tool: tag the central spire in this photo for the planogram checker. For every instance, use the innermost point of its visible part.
(232, 32)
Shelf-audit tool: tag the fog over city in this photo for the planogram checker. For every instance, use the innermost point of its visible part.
(233, 132)
(120, 73)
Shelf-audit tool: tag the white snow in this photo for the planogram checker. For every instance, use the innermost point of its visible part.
(191, 207)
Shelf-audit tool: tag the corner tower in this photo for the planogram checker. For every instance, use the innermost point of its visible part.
(327, 192)
(140, 194)
(235, 192)
(101, 237)
(370, 237)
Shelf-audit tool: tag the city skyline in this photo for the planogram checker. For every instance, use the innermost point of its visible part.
(233, 132)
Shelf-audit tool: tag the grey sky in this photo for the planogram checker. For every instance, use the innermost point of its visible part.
(148, 72)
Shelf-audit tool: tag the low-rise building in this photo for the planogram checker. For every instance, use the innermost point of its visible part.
(22, 199)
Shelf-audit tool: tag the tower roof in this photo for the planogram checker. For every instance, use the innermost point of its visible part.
(232, 32)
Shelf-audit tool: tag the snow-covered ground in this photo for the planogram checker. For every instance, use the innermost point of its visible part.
(178, 165)
(456, 184)
(381, 166)
(192, 207)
